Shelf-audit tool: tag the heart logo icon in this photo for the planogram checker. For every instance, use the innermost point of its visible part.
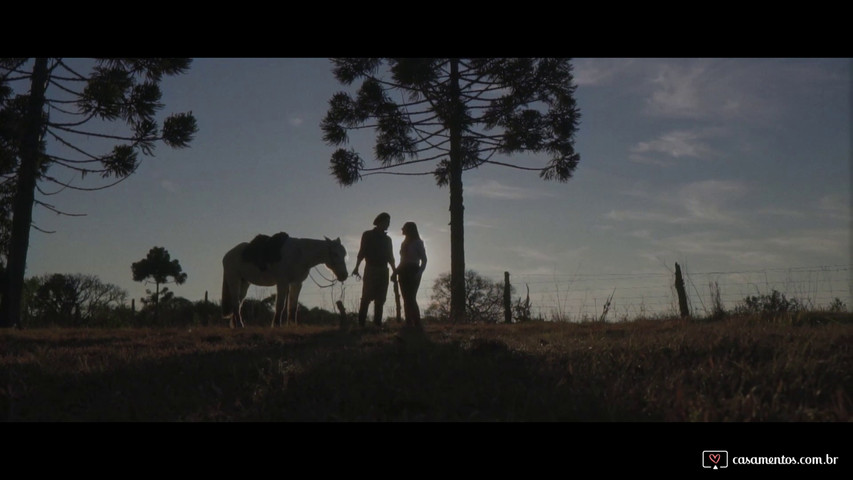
(715, 457)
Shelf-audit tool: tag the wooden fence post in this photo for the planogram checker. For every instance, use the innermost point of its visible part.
(682, 294)
(204, 316)
(507, 299)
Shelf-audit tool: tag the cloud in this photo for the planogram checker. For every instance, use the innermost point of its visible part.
(528, 253)
(704, 88)
(642, 216)
(468, 223)
(675, 144)
(814, 241)
(495, 190)
(595, 72)
(835, 205)
(716, 246)
(704, 202)
(678, 90)
(169, 186)
(295, 121)
(707, 201)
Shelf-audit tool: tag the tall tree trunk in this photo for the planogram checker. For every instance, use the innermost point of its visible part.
(156, 302)
(457, 210)
(22, 214)
(507, 299)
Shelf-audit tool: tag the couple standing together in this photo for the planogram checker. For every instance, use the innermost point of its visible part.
(377, 253)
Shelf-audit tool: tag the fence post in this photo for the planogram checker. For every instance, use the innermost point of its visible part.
(205, 320)
(682, 294)
(507, 299)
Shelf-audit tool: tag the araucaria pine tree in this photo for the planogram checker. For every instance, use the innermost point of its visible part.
(65, 109)
(452, 115)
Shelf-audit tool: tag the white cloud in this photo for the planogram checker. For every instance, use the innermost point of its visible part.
(712, 89)
(496, 190)
(595, 72)
(707, 201)
(835, 206)
(169, 186)
(675, 144)
(713, 246)
(678, 90)
(704, 202)
(643, 216)
(814, 241)
(528, 253)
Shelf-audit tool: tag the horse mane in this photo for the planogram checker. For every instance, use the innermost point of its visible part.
(264, 250)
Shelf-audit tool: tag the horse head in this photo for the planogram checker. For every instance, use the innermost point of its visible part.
(336, 258)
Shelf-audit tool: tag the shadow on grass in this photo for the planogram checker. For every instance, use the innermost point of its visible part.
(327, 376)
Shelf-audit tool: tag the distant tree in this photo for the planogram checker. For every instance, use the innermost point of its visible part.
(483, 299)
(257, 312)
(173, 311)
(63, 105)
(455, 114)
(155, 297)
(158, 266)
(70, 300)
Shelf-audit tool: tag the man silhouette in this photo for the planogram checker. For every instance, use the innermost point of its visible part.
(377, 253)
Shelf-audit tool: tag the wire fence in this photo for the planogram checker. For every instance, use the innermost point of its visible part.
(583, 296)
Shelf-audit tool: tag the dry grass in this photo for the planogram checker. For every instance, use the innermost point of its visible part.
(738, 369)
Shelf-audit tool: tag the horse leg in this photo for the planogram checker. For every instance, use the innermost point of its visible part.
(231, 300)
(227, 302)
(280, 298)
(293, 302)
(242, 291)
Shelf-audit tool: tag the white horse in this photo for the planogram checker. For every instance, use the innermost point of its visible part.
(288, 268)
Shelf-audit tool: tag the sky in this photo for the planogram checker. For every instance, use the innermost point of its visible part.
(736, 168)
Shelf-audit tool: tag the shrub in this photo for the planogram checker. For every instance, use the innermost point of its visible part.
(483, 298)
(770, 305)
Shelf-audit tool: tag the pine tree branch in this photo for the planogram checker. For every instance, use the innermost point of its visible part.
(135, 140)
(73, 161)
(71, 146)
(57, 211)
(518, 167)
(85, 189)
(402, 164)
(78, 76)
(16, 69)
(49, 232)
(73, 124)
(58, 84)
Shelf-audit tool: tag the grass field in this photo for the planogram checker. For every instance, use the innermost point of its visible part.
(793, 368)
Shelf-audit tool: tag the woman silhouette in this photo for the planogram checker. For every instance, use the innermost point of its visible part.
(413, 261)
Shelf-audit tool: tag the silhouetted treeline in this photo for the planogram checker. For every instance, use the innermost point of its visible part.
(77, 300)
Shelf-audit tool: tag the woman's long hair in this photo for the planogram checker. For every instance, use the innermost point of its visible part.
(410, 230)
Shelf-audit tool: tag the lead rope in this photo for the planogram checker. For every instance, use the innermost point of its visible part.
(331, 284)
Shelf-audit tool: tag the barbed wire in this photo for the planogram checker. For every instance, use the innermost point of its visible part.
(580, 295)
